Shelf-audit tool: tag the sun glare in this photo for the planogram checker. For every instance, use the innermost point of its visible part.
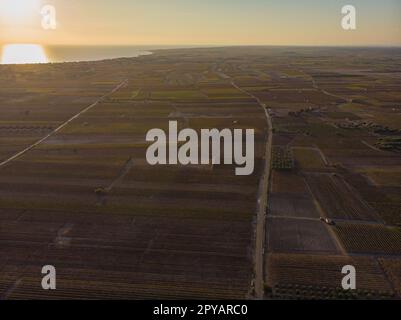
(23, 53)
(12, 10)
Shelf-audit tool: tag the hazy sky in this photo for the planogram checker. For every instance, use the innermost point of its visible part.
(203, 22)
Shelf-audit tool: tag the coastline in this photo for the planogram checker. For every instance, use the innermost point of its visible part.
(78, 54)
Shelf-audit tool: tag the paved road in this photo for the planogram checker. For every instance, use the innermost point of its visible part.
(37, 143)
(262, 203)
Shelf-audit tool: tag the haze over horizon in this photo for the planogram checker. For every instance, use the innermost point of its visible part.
(221, 22)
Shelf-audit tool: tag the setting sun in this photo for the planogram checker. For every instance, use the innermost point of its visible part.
(23, 53)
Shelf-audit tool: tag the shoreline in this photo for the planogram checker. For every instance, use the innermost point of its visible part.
(54, 60)
(151, 50)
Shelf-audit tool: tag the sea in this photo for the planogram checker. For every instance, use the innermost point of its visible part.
(29, 53)
(94, 53)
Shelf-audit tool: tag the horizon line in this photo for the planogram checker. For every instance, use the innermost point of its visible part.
(213, 45)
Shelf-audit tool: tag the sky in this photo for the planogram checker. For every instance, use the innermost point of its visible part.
(201, 22)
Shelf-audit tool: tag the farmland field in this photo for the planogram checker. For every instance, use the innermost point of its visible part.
(291, 235)
(370, 239)
(295, 276)
(338, 199)
(82, 196)
(342, 187)
(308, 159)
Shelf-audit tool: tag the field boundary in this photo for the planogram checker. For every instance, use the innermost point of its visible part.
(64, 124)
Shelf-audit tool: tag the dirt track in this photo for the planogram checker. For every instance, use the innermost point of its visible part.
(262, 203)
(64, 124)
